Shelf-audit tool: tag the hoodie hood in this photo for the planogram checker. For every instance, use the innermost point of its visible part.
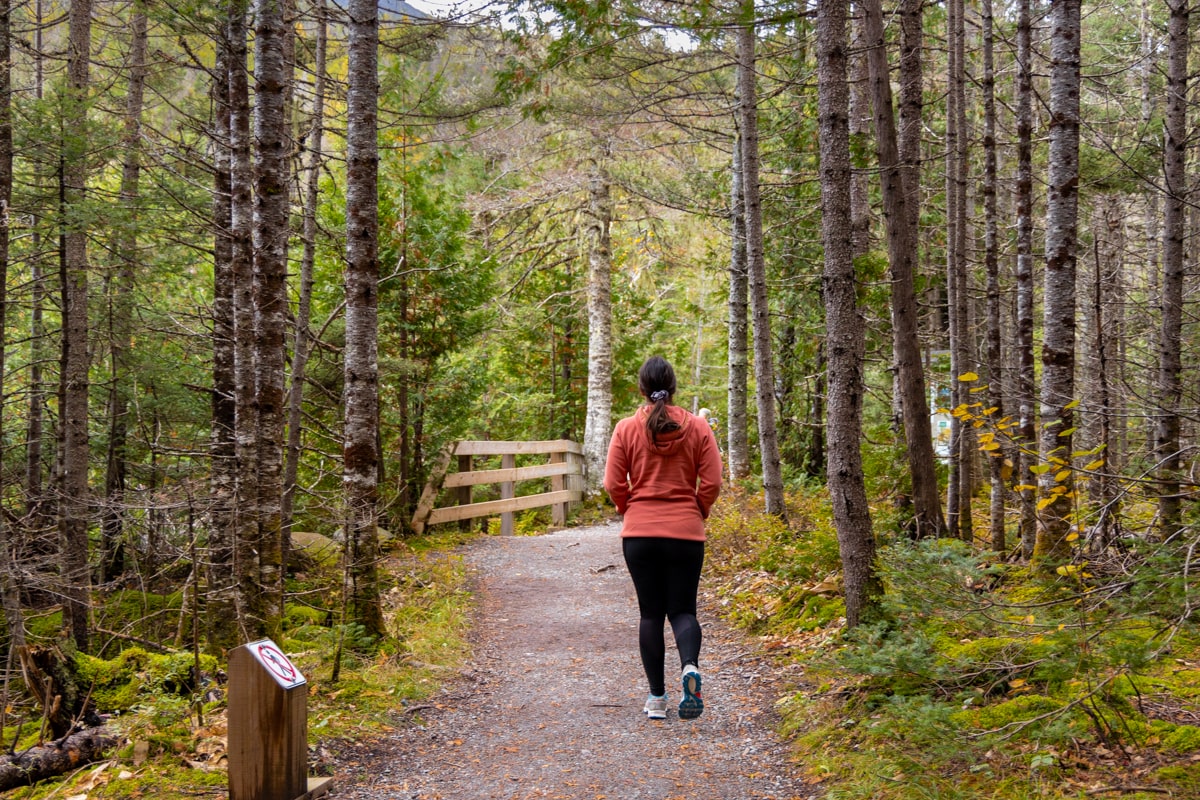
(668, 442)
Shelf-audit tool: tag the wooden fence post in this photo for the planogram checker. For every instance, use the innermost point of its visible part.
(507, 492)
(558, 512)
(464, 492)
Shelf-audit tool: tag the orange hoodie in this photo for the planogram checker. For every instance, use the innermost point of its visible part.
(663, 489)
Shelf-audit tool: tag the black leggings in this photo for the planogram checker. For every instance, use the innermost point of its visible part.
(666, 574)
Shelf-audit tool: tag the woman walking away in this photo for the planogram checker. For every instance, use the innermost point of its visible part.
(663, 474)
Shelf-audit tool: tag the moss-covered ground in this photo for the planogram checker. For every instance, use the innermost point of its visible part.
(979, 677)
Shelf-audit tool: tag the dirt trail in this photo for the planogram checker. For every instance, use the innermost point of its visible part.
(551, 705)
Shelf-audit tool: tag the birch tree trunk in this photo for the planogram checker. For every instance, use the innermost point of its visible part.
(300, 347)
(902, 256)
(112, 550)
(737, 423)
(73, 524)
(1027, 428)
(844, 328)
(597, 425)
(1056, 485)
(220, 606)
(360, 452)
(764, 371)
(1169, 389)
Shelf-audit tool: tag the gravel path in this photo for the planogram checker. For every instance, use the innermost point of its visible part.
(551, 706)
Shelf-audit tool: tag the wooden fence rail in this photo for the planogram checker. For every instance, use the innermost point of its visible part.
(564, 469)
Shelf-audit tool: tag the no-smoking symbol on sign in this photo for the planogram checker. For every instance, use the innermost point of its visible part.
(276, 663)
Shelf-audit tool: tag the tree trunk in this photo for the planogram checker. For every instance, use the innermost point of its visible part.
(1104, 330)
(902, 256)
(955, 265)
(73, 524)
(246, 568)
(991, 263)
(272, 81)
(57, 758)
(597, 427)
(1056, 485)
(34, 499)
(844, 329)
(764, 371)
(300, 348)
(220, 606)
(1169, 389)
(1027, 427)
(737, 423)
(10, 589)
(360, 452)
(112, 550)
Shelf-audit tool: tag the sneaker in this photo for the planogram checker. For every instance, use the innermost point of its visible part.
(656, 707)
(692, 704)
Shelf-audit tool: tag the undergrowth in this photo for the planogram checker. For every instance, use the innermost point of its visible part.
(982, 678)
(173, 726)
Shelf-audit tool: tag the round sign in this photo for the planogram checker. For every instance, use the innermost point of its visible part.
(277, 663)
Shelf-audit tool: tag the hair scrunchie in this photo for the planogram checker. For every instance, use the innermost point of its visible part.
(659, 396)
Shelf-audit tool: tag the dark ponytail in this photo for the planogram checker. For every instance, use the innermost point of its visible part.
(656, 380)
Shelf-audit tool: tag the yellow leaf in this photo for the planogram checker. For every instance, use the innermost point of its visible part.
(989, 446)
(1070, 405)
(978, 388)
(1040, 469)
(1016, 683)
(967, 377)
(1022, 487)
(1045, 501)
(1062, 475)
(1072, 536)
(1097, 464)
(984, 438)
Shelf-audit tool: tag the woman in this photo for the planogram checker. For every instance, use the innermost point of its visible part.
(663, 474)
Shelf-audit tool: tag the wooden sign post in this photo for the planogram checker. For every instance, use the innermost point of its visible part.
(268, 727)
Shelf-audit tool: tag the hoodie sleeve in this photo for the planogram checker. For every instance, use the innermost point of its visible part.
(708, 469)
(616, 471)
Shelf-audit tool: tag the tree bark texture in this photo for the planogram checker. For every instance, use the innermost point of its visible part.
(902, 256)
(955, 266)
(1027, 410)
(246, 570)
(844, 326)
(360, 451)
(737, 423)
(1169, 389)
(272, 150)
(56, 758)
(73, 520)
(764, 371)
(220, 605)
(1056, 485)
(991, 265)
(597, 424)
(10, 590)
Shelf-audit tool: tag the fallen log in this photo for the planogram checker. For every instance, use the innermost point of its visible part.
(54, 758)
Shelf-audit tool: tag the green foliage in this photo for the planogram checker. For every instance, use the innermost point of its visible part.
(137, 677)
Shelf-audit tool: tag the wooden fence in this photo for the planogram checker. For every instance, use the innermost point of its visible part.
(565, 470)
